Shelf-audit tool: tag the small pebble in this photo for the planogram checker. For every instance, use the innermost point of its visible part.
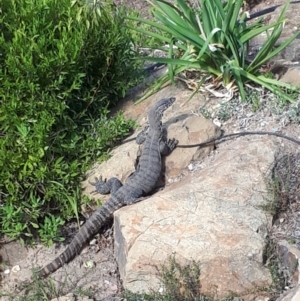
(170, 180)
(15, 269)
(161, 290)
(93, 241)
(89, 264)
(114, 288)
(217, 122)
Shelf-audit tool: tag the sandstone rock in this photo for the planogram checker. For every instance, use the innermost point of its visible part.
(212, 216)
(292, 76)
(125, 153)
(193, 130)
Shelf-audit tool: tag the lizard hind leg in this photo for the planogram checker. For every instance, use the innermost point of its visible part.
(134, 197)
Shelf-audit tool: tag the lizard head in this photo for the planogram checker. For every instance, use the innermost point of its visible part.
(156, 112)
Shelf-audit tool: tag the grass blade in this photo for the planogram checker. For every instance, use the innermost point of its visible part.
(170, 66)
(187, 12)
(270, 84)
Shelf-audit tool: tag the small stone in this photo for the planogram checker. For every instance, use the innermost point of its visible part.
(281, 220)
(84, 251)
(114, 288)
(89, 264)
(190, 167)
(170, 180)
(16, 269)
(217, 122)
(161, 290)
(6, 272)
(93, 242)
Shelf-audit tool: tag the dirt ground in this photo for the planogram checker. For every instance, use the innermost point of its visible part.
(101, 251)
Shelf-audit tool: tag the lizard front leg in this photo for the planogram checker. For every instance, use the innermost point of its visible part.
(166, 147)
(105, 187)
(141, 137)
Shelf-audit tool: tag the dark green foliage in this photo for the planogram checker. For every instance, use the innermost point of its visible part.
(62, 63)
(214, 38)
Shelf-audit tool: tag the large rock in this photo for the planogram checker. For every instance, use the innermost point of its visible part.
(212, 216)
(191, 131)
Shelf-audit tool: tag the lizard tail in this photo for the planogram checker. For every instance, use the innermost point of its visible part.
(88, 230)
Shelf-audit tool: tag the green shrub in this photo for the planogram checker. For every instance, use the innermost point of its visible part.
(215, 39)
(62, 63)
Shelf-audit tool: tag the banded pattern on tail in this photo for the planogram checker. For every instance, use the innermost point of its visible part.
(88, 230)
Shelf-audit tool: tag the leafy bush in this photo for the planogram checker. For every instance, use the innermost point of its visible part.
(62, 63)
(213, 39)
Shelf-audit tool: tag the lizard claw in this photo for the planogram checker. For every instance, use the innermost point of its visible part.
(97, 181)
(172, 143)
(100, 186)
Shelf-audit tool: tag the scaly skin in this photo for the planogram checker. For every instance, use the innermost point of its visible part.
(139, 184)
